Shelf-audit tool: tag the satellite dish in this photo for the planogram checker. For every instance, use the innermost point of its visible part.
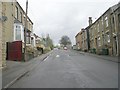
(3, 18)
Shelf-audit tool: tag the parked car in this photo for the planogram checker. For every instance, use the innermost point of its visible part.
(65, 48)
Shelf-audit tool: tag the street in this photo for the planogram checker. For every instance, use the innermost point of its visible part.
(69, 69)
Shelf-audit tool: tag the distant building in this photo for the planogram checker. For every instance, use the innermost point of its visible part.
(102, 36)
(81, 40)
(78, 38)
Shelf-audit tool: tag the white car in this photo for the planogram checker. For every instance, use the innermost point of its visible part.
(65, 48)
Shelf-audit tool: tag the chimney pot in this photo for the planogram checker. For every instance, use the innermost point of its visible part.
(90, 20)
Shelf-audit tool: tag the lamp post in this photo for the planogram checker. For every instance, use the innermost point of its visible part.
(25, 30)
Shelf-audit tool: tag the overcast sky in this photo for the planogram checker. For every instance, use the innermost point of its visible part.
(64, 17)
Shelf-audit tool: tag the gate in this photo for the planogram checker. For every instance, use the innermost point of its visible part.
(14, 51)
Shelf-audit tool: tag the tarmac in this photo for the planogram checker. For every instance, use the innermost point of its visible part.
(15, 69)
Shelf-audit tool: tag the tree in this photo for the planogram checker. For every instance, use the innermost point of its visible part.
(49, 42)
(65, 40)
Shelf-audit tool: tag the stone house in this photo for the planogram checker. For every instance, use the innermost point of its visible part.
(14, 26)
(103, 36)
(103, 32)
(78, 38)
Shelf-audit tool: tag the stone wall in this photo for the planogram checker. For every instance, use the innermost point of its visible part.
(0, 36)
(2, 40)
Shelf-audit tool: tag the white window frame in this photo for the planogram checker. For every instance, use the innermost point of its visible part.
(106, 21)
(21, 32)
(108, 38)
(99, 43)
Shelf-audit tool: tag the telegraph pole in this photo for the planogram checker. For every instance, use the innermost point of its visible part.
(25, 30)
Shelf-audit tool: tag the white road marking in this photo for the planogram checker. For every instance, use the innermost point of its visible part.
(57, 55)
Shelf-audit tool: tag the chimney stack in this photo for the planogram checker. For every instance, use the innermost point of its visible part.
(90, 20)
(82, 29)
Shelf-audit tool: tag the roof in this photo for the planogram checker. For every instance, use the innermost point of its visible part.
(23, 11)
(113, 8)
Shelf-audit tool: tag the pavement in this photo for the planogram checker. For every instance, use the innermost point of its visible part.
(15, 70)
(104, 57)
(69, 69)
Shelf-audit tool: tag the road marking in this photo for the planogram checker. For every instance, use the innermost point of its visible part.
(57, 55)
(46, 58)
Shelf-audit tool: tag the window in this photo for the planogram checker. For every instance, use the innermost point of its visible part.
(108, 36)
(28, 39)
(21, 17)
(24, 20)
(103, 39)
(18, 33)
(30, 26)
(113, 24)
(119, 18)
(12, 3)
(106, 21)
(102, 20)
(16, 12)
(113, 20)
(99, 43)
(98, 27)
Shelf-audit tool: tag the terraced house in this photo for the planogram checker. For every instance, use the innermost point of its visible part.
(115, 27)
(78, 38)
(14, 26)
(103, 35)
(81, 39)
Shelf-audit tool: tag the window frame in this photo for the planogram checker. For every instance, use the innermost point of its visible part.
(21, 17)
(16, 12)
(106, 21)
